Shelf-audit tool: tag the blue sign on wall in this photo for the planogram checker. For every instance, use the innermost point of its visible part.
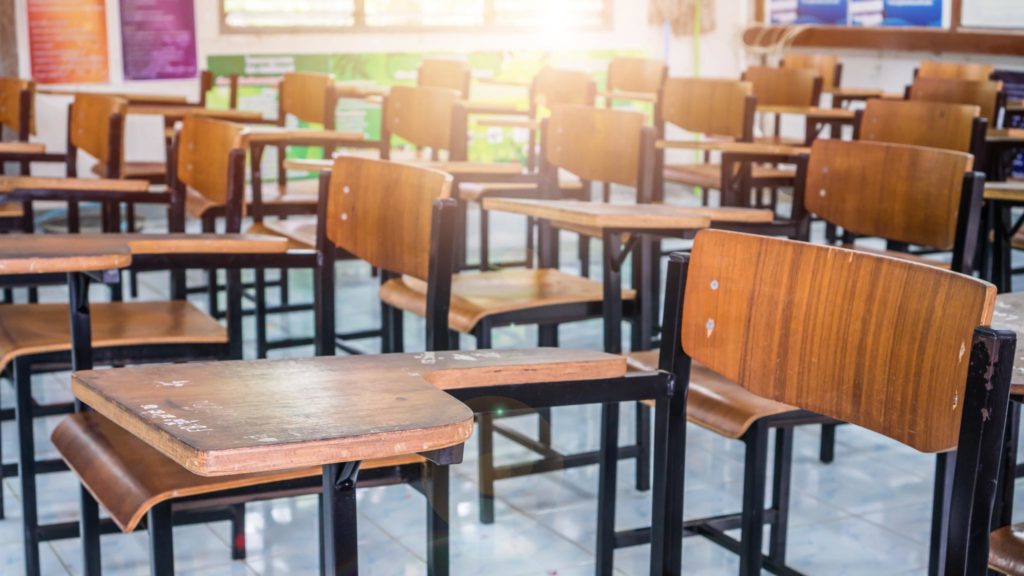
(926, 13)
(827, 12)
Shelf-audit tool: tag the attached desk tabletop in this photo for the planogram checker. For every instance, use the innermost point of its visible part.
(628, 217)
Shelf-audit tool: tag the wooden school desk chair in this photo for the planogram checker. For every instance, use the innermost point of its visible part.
(634, 79)
(940, 376)
(17, 119)
(954, 70)
(445, 73)
(796, 88)
(718, 111)
(828, 67)
(140, 481)
(36, 339)
(843, 186)
(550, 87)
(96, 126)
(986, 94)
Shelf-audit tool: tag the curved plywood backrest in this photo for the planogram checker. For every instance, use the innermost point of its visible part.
(556, 87)
(421, 114)
(981, 93)
(595, 144)
(304, 95)
(642, 75)
(91, 125)
(919, 123)
(954, 70)
(879, 342)
(10, 103)
(783, 86)
(204, 155)
(710, 106)
(380, 212)
(825, 66)
(450, 74)
(893, 191)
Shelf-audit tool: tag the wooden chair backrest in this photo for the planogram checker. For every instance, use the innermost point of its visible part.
(305, 96)
(893, 191)
(94, 118)
(556, 87)
(643, 75)
(919, 123)
(10, 104)
(710, 106)
(954, 70)
(595, 144)
(380, 212)
(421, 114)
(204, 155)
(450, 74)
(828, 67)
(784, 86)
(984, 94)
(879, 342)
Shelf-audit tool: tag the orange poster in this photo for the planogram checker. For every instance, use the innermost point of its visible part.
(68, 41)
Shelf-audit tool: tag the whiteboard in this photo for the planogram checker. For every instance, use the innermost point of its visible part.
(992, 14)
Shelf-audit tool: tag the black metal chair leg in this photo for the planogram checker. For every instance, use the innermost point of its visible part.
(827, 451)
(285, 298)
(238, 532)
(485, 445)
(485, 239)
(1003, 515)
(341, 552)
(547, 336)
(754, 473)
(320, 525)
(643, 442)
(89, 529)
(584, 254)
(438, 513)
(27, 465)
(212, 293)
(394, 329)
(607, 471)
(945, 464)
(161, 540)
(530, 248)
(783, 468)
(260, 289)
(3, 512)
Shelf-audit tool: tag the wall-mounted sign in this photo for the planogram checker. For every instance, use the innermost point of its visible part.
(158, 39)
(918, 13)
(68, 41)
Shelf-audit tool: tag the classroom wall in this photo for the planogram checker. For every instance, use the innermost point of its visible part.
(720, 54)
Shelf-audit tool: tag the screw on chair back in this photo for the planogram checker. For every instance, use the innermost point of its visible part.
(308, 96)
(443, 73)
(556, 86)
(640, 75)
(912, 194)
(954, 70)
(709, 106)
(797, 87)
(210, 163)
(897, 347)
(599, 145)
(920, 123)
(96, 126)
(16, 113)
(424, 116)
(986, 94)
(826, 66)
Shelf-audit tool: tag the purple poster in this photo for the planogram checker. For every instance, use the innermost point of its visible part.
(158, 38)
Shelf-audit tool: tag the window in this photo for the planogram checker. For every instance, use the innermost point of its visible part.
(262, 15)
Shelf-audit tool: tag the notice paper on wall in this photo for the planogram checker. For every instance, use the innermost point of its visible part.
(68, 41)
(158, 39)
(1008, 14)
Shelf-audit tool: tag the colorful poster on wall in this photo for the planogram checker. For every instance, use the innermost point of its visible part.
(918, 13)
(921, 13)
(158, 39)
(68, 41)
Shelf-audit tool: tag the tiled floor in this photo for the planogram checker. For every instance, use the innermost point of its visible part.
(867, 513)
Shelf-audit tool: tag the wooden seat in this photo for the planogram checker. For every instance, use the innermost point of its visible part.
(128, 476)
(780, 141)
(709, 175)
(1006, 550)
(300, 231)
(478, 296)
(27, 329)
(714, 402)
(827, 66)
(475, 191)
